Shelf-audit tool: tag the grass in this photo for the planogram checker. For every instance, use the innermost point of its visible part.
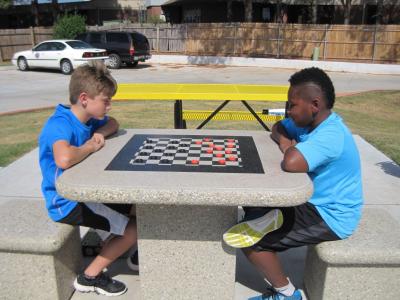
(374, 116)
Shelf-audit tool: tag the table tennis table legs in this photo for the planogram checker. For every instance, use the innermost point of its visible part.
(181, 252)
(180, 123)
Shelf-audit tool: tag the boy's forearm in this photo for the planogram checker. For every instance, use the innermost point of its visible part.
(66, 155)
(109, 128)
(280, 136)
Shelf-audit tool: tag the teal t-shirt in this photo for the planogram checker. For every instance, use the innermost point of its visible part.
(62, 125)
(334, 168)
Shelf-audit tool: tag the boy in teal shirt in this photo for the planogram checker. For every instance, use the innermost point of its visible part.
(313, 140)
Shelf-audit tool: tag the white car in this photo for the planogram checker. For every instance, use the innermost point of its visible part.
(58, 54)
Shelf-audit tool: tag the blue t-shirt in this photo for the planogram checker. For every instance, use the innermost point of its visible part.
(334, 168)
(62, 125)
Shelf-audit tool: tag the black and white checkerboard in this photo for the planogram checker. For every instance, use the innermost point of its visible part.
(188, 151)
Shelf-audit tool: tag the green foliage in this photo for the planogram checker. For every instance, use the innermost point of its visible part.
(69, 26)
(5, 3)
(153, 19)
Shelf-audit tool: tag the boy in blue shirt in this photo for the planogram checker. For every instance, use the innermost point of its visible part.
(68, 137)
(313, 140)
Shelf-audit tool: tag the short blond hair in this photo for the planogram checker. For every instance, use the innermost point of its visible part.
(92, 78)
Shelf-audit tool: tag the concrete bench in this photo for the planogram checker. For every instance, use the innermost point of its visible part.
(364, 266)
(39, 258)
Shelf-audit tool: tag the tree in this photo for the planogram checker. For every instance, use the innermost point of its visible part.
(5, 3)
(248, 10)
(346, 10)
(69, 26)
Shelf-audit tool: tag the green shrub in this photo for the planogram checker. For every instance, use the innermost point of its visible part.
(69, 26)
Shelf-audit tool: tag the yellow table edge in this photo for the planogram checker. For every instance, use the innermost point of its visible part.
(200, 91)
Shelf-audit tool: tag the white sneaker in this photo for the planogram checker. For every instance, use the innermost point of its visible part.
(249, 233)
(133, 261)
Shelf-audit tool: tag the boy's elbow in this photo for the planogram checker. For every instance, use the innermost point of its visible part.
(293, 161)
(289, 165)
(115, 124)
(63, 162)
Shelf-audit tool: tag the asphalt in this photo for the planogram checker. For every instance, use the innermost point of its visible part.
(21, 179)
(39, 88)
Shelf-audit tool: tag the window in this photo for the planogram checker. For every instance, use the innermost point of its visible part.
(117, 37)
(58, 46)
(42, 47)
(78, 45)
(95, 38)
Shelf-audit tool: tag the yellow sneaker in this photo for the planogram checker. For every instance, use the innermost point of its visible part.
(249, 233)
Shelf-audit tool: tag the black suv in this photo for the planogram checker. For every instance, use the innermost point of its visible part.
(122, 47)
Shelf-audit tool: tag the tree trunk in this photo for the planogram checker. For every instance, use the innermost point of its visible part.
(229, 12)
(54, 7)
(35, 13)
(347, 12)
(315, 12)
(248, 10)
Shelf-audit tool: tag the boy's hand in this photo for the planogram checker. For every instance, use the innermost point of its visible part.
(99, 138)
(286, 144)
(96, 142)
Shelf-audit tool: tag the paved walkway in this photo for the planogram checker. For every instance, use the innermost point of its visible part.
(381, 179)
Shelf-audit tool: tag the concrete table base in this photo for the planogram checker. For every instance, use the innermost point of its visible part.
(181, 252)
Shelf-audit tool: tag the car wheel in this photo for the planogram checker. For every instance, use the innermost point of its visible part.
(22, 64)
(66, 67)
(113, 61)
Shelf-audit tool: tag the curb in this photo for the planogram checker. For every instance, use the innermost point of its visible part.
(10, 113)
(334, 66)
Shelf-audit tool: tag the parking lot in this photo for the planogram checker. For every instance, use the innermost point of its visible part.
(39, 88)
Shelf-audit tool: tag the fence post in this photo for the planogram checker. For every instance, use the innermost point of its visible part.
(33, 36)
(1, 54)
(374, 44)
(278, 40)
(234, 39)
(158, 38)
(186, 37)
(325, 41)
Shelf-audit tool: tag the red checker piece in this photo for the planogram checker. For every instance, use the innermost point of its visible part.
(194, 161)
(206, 139)
(209, 150)
(197, 142)
(230, 145)
(228, 151)
(221, 161)
(219, 155)
(219, 148)
(230, 140)
(232, 158)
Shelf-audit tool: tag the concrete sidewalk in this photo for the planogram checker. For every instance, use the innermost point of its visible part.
(381, 179)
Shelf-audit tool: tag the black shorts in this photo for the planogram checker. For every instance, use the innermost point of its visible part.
(111, 218)
(302, 225)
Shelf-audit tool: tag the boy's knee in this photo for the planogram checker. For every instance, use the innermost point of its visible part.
(130, 230)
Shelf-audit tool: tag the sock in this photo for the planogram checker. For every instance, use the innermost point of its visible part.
(286, 290)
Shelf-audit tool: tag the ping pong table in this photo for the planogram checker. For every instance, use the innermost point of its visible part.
(202, 92)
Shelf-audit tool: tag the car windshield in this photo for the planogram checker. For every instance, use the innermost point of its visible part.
(78, 45)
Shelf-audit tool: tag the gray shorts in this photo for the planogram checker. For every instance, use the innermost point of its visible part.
(302, 225)
(110, 218)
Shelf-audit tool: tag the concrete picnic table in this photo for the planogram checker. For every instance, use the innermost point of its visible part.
(182, 215)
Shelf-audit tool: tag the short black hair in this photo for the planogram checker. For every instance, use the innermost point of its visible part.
(316, 76)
